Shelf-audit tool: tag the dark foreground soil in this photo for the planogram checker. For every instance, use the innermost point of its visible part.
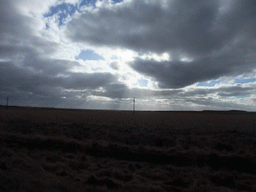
(73, 150)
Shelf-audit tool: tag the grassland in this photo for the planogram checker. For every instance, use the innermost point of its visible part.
(88, 150)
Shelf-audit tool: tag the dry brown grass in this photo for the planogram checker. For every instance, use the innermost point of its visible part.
(75, 150)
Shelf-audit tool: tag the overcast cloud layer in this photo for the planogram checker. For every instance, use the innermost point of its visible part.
(170, 55)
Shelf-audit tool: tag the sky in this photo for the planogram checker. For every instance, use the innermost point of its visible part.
(99, 54)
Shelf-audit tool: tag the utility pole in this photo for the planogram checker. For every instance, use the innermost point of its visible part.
(7, 99)
(134, 105)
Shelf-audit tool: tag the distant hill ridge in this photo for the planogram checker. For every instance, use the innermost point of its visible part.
(71, 109)
(225, 111)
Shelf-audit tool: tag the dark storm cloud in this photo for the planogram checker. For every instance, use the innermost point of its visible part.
(15, 28)
(19, 36)
(86, 80)
(234, 91)
(116, 91)
(26, 79)
(217, 98)
(190, 26)
(219, 36)
(224, 91)
(8, 51)
(48, 67)
(177, 74)
(10, 21)
(148, 27)
(22, 83)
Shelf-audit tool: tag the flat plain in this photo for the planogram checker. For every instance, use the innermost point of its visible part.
(47, 149)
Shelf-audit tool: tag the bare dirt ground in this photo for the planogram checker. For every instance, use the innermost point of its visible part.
(83, 150)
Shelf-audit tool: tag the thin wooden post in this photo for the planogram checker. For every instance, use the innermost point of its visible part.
(252, 139)
(7, 99)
